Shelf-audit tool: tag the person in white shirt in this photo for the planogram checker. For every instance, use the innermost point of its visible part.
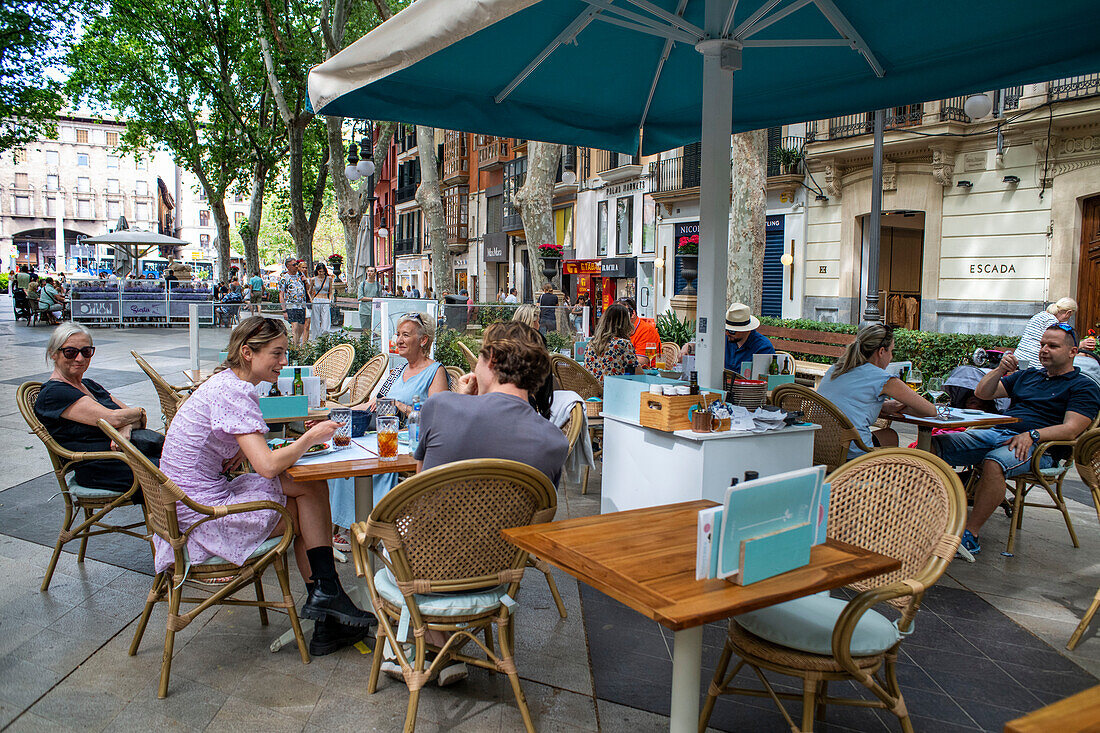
(512, 298)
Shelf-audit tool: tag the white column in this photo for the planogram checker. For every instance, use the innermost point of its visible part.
(59, 232)
(720, 59)
(193, 334)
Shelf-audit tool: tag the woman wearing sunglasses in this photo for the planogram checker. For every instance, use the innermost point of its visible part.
(69, 406)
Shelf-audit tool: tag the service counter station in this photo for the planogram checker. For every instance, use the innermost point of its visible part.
(646, 466)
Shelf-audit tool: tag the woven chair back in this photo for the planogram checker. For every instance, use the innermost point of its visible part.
(25, 398)
(161, 493)
(899, 502)
(1086, 454)
(448, 522)
(572, 376)
(670, 354)
(572, 427)
(335, 364)
(469, 356)
(170, 399)
(831, 442)
(366, 378)
(453, 373)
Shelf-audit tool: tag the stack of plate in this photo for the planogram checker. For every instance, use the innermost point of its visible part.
(748, 393)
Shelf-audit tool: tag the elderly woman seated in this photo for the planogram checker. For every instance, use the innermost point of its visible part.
(70, 405)
(418, 377)
(219, 426)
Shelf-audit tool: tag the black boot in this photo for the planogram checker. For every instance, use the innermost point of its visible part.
(330, 636)
(327, 599)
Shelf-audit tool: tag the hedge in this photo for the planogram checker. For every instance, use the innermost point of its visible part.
(934, 354)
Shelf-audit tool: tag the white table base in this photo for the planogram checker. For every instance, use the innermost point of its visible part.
(687, 659)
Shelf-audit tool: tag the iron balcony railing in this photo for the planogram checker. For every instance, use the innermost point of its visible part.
(776, 164)
(1074, 87)
(406, 246)
(678, 173)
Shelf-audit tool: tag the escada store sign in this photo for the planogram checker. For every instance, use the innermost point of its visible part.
(991, 268)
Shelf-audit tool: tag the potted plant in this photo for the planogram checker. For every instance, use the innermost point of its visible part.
(551, 259)
(687, 251)
(788, 159)
(335, 262)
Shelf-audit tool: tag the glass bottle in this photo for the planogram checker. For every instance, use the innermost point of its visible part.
(786, 367)
(751, 475)
(274, 391)
(693, 385)
(414, 424)
(773, 368)
(299, 385)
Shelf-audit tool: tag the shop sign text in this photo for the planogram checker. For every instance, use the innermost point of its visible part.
(991, 268)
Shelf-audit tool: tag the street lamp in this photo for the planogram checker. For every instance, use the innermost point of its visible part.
(360, 167)
(384, 233)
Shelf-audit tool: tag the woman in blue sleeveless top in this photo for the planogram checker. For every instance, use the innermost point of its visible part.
(420, 376)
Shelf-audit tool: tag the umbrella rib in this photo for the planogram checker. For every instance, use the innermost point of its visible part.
(670, 18)
(729, 18)
(667, 33)
(797, 42)
(576, 26)
(751, 20)
(660, 68)
(845, 28)
(773, 18)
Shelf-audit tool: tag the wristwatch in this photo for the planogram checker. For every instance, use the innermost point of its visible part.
(1034, 435)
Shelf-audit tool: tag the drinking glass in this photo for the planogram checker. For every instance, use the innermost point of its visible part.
(651, 353)
(342, 438)
(914, 379)
(387, 438)
(936, 392)
(385, 407)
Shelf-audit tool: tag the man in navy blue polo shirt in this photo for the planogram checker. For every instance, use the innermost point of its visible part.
(1053, 402)
(742, 340)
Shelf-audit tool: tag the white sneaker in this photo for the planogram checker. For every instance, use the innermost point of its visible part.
(452, 673)
(341, 542)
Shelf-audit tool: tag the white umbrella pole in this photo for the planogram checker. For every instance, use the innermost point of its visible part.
(720, 60)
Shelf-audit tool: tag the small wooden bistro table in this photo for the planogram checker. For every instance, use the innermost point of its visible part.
(358, 461)
(957, 419)
(645, 558)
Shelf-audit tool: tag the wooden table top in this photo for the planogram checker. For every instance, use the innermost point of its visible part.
(320, 414)
(1075, 714)
(349, 469)
(933, 422)
(645, 558)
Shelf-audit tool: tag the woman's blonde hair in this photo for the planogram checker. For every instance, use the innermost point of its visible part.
(424, 324)
(871, 338)
(614, 323)
(255, 331)
(528, 314)
(61, 334)
(1062, 304)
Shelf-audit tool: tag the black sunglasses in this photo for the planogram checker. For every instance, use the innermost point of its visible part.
(70, 352)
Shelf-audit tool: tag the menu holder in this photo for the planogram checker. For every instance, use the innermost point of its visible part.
(277, 408)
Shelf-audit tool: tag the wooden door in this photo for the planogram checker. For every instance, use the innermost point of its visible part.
(1088, 281)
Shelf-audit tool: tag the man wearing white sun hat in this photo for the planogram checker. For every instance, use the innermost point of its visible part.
(742, 340)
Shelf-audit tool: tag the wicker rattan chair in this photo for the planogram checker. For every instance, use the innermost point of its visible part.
(469, 356)
(94, 503)
(170, 397)
(362, 383)
(1086, 455)
(572, 376)
(441, 530)
(161, 497)
(670, 354)
(453, 373)
(333, 366)
(900, 502)
(837, 433)
(1049, 479)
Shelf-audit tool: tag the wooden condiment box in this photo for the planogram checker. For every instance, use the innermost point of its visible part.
(670, 412)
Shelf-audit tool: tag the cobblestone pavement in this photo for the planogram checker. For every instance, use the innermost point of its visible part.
(989, 642)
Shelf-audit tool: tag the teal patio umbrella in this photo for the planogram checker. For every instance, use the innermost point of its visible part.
(650, 75)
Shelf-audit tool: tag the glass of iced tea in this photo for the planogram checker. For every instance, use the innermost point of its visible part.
(387, 438)
(342, 438)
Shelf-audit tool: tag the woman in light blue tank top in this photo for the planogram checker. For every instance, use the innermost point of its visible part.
(420, 376)
(860, 387)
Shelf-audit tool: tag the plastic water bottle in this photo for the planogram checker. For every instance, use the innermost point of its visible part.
(414, 424)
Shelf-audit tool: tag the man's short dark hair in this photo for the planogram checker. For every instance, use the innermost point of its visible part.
(1065, 329)
(629, 303)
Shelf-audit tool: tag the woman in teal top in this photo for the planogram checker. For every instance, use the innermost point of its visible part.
(860, 387)
(420, 376)
(50, 301)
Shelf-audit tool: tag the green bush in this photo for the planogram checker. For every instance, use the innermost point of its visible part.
(934, 354)
(3, 281)
(493, 313)
(556, 341)
(671, 328)
(447, 354)
(312, 350)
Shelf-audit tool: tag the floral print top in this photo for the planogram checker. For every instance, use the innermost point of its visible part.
(293, 290)
(617, 358)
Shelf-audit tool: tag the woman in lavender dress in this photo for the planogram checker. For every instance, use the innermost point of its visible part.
(218, 427)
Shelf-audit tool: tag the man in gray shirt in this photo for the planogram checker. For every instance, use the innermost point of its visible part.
(493, 418)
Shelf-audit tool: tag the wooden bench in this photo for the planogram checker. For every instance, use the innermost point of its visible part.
(805, 341)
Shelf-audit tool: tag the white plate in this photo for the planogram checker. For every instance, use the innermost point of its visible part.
(280, 441)
(964, 411)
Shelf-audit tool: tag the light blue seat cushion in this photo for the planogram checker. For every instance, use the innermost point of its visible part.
(264, 547)
(441, 604)
(807, 624)
(85, 492)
